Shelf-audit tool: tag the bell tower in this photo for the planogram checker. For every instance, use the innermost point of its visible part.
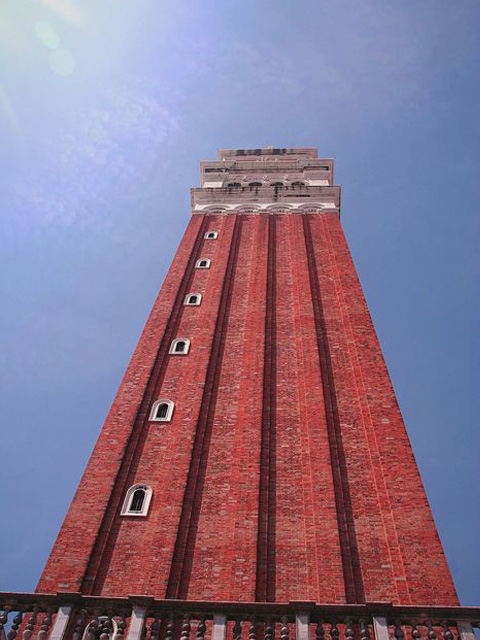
(255, 451)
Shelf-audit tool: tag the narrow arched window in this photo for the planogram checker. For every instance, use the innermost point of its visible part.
(181, 346)
(211, 235)
(137, 501)
(161, 411)
(298, 184)
(276, 184)
(234, 185)
(203, 263)
(138, 498)
(255, 185)
(193, 299)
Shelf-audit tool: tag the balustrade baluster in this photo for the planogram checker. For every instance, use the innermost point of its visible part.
(30, 626)
(93, 627)
(155, 628)
(80, 620)
(447, 634)
(320, 631)
(106, 628)
(170, 628)
(364, 631)
(45, 626)
(334, 632)
(17, 621)
(3, 622)
(269, 630)
(237, 630)
(349, 633)
(185, 634)
(121, 626)
(431, 631)
(284, 630)
(112, 624)
(252, 631)
(414, 632)
(399, 635)
(201, 628)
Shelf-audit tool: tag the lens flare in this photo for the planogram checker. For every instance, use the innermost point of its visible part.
(66, 9)
(62, 62)
(47, 35)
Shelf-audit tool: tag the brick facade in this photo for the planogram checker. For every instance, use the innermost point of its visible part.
(286, 472)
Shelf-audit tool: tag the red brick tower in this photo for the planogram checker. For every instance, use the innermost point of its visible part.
(255, 450)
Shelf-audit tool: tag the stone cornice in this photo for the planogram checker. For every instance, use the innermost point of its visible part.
(267, 198)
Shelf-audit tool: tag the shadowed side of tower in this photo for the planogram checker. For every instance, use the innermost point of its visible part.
(268, 453)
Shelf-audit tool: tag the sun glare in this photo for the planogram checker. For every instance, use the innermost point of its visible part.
(65, 9)
(47, 35)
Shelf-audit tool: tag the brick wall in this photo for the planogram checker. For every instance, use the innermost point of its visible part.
(286, 472)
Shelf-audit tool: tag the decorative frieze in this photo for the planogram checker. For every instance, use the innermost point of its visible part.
(223, 208)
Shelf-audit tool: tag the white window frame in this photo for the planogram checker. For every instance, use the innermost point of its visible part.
(211, 235)
(127, 503)
(212, 184)
(153, 411)
(193, 304)
(318, 183)
(198, 264)
(174, 344)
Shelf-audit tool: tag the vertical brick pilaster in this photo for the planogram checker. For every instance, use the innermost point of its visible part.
(354, 589)
(266, 532)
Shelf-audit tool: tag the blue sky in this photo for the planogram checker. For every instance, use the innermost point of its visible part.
(107, 107)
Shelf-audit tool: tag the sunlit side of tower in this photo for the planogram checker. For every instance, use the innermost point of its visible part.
(255, 449)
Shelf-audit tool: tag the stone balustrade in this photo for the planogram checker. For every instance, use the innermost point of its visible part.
(70, 616)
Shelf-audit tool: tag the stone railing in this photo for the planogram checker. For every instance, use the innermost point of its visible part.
(71, 616)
